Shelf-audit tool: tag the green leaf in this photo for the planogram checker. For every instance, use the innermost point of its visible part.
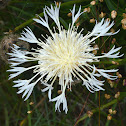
(113, 6)
(64, 23)
(110, 5)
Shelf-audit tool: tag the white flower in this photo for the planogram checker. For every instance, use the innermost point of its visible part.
(19, 56)
(75, 16)
(49, 87)
(60, 99)
(28, 36)
(111, 54)
(24, 87)
(63, 55)
(102, 28)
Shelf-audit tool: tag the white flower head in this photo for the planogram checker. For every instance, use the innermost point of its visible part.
(63, 55)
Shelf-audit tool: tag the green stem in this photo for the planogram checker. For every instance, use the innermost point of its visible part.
(29, 114)
(26, 23)
(101, 108)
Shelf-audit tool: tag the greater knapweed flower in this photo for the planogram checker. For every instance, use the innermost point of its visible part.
(65, 55)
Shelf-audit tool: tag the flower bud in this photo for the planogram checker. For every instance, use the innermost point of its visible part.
(123, 21)
(119, 76)
(109, 117)
(92, 20)
(110, 111)
(117, 94)
(113, 62)
(113, 41)
(101, 0)
(69, 14)
(31, 103)
(89, 113)
(93, 3)
(87, 9)
(102, 15)
(29, 112)
(107, 96)
(59, 92)
(113, 14)
(124, 26)
(114, 112)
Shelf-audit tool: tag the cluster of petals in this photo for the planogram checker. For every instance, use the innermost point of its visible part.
(65, 54)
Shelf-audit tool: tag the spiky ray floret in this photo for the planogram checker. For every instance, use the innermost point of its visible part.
(62, 55)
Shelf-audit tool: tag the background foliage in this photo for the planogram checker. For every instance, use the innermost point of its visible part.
(37, 111)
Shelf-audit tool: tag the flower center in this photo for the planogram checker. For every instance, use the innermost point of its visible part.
(64, 50)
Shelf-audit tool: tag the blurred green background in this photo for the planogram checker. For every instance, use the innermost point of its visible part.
(106, 108)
